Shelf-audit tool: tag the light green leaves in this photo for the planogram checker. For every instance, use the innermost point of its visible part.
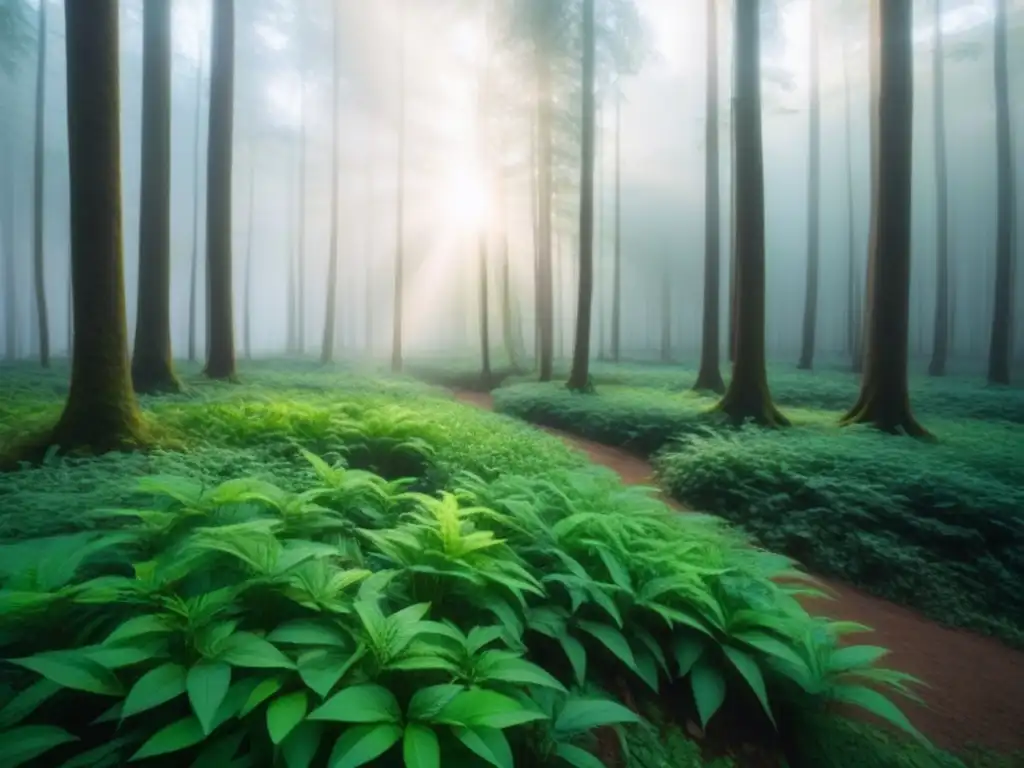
(485, 709)
(244, 649)
(207, 684)
(363, 743)
(175, 737)
(360, 704)
(420, 747)
(284, 714)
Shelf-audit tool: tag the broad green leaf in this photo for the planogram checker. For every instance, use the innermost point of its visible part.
(207, 684)
(420, 747)
(106, 755)
(73, 671)
(854, 656)
(520, 671)
(708, 690)
(27, 702)
(580, 715)
(308, 632)
(479, 708)
(244, 649)
(263, 691)
(321, 669)
(360, 704)
(613, 640)
(153, 624)
(876, 704)
(27, 742)
(427, 702)
(127, 654)
(220, 752)
(238, 695)
(489, 744)
(179, 735)
(362, 744)
(772, 647)
(576, 654)
(302, 744)
(687, 649)
(154, 688)
(579, 758)
(748, 668)
(479, 637)
(284, 713)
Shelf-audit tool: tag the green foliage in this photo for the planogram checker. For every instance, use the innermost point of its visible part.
(936, 526)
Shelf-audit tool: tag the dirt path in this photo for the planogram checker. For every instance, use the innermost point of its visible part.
(976, 693)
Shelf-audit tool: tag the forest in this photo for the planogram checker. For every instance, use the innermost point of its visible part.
(541, 383)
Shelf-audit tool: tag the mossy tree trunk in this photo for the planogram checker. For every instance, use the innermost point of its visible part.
(101, 413)
(399, 287)
(193, 289)
(810, 323)
(1006, 201)
(748, 395)
(709, 376)
(39, 198)
(940, 340)
(220, 356)
(884, 397)
(579, 376)
(152, 369)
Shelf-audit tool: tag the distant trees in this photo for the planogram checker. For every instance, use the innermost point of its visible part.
(152, 369)
(220, 357)
(399, 284)
(38, 196)
(810, 323)
(193, 287)
(940, 340)
(331, 308)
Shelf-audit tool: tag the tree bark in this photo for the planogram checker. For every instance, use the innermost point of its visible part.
(152, 367)
(193, 289)
(617, 254)
(247, 309)
(810, 324)
(399, 290)
(940, 339)
(545, 119)
(999, 344)
(331, 306)
(748, 395)
(38, 201)
(854, 305)
(884, 397)
(220, 356)
(101, 413)
(733, 302)
(709, 376)
(579, 376)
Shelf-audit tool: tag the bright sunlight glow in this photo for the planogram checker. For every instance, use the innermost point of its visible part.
(466, 199)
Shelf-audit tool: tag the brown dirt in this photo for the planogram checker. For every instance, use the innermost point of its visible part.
(975, 694)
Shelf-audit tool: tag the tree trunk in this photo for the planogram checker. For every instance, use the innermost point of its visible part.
(397, 308)
(579, 376)
(940, 340)
(292, 305)
(331, 306)
(370, 282)
(748, 395)
(558, 299)
(301, 299)
(854, 306)
(545, 281)
(101, 413)
(666, 317)
(7, 217)
(810, 325)
(709, 377)
(220, 356)
(733, 304)
(1006, 201)
(485, 312)
(599, 275)
(71, 304)
(152, 367)
(247, 309)
(38, 202)
(884, 398)
(193, 289)
(617, 253)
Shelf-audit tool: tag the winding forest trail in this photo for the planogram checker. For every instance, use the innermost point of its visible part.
(976, 685)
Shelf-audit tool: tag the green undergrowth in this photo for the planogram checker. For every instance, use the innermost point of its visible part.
(937, 526)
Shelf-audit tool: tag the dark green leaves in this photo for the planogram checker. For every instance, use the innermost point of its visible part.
(360, 704)
(20, 745)
(207, 684)
(74, 670)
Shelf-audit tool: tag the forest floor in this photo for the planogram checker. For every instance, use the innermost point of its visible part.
(975, 692)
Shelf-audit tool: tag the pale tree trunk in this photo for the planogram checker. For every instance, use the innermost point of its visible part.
(193, 289)
(399, 289)
(249, 237)
(617, 254)
(38, 198)
(810, 324)
(331, 308)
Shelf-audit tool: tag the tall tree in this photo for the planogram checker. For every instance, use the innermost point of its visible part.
(292, 307)
(709, 377)
(371, 283)
(666, 316)
(940, 338)
(38, 197)
(399, 289)
(101, 413)
(331, 308)
(748, 395)
(884, 399)
(544, 18)
(193, 288)
(579, 377)
(1006, 206)
(152, 369)
(810, 324)
(249, 237)
(617, 247)
(301, 277)
(220, 355)
(483, 159)
(7, 218)
(854, 305)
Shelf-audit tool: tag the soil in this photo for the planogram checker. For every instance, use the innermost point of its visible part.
(975, 693)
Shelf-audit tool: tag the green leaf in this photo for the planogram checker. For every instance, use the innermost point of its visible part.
(360, 704)
(613, 640)
(876, 704)
(577, 757)
(708, 690)
(179, 735)
(420, 747)
(363, 743)
(220, 752)
(244, 649)
(489, 744)
(25, 743)
(308, 632)
(121, 655)
(687, 649)
(263, 691)
(511, 670)
(153, 624)
(106, 755)
(427, 702)
(154, 688)
(321, 669)
(302, 744)
(580, 715)
(748, 668)
(486, 709)
(207, 684)
(74, 671)
(27, 702)
(853, 656)
(284, 714)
